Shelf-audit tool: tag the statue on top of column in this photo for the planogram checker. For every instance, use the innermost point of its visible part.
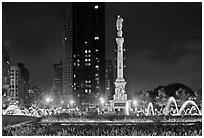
(119, 26)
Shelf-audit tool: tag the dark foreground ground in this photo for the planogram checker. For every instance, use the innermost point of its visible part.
(144, 129)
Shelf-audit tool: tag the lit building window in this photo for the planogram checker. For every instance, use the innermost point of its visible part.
(97, 66)
(89, 51)
(74, 55)
(86, 90)
(86, 60)
(96, 50)
(74, 76)
(78, 65)
(86, 51)
(96, 38)
(96, 7)
(74, 64)
(85, 42)
(89, 59)
(89, 64)
(65, 38)
(78, 60)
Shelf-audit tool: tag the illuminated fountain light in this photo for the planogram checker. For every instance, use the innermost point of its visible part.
(150, 108)
(186, 103)
(13, 110)
(170, 101)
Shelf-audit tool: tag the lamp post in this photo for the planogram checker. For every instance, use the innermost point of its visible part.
(135, 104)
(71, 103)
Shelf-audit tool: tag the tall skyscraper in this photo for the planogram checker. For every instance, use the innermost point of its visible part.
(87, 37)
(58, 79)
(68, 56)
(109, 89)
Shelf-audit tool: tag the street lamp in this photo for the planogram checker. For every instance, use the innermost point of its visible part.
(71, 103)
(135, 104)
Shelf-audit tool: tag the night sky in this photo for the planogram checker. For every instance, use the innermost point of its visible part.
(163, 41)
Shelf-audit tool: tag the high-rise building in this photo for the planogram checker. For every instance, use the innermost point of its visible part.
(68, 57)
(58, 79)
(5, 75)
(85, 33)
(109, 89)
(19, 85)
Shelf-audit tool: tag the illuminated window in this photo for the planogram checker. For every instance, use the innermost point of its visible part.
(86, 60)
(65, 38)
(74, 76)
(96, 7)
(78, 65)
(78, 60)
(96, 38)
(74, 55)
(86, 51)
(89, 51)
(89, 64)
(96, 50)
(85, 42)
(97, 66)
(86, 90)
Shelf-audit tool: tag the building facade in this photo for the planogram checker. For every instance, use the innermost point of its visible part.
(68, 56)
(5, 75)
(58, 79)
(87, 36)
(19, 85)
(109, 89)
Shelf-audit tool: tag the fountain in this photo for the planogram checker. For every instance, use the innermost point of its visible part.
(150, 106)
(186, 103)
(171, 99)
(12, 109)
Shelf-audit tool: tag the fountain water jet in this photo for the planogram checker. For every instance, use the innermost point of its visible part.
(171, 99)
(150, 106)
(14, 108)
(186, 103)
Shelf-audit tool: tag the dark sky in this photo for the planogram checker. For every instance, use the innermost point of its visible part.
(163, 41)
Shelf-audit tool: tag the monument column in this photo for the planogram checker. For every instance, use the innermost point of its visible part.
(120, 97)
(120, 81)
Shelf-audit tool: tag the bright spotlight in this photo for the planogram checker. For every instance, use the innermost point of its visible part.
(71, 102)
(62, 102)
(102, 100)
(48, 99)
(135, 102)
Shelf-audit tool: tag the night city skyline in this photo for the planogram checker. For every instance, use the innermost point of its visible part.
(162, 40)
